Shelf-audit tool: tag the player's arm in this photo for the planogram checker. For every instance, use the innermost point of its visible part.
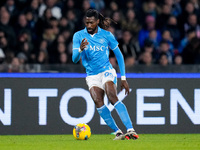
(78, 47)
(76, 55)
(113, 44)
(121, 64)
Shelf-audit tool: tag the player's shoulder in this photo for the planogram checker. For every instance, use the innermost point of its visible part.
(105, 32)
(79, 33)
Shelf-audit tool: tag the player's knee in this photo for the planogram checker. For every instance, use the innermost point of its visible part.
(98, 102)
(112, 97)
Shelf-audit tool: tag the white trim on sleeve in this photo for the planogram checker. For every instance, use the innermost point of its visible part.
(123, 77)
(115, 47)
(79, 50)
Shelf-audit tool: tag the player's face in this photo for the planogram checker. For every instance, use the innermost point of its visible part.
(91, 24)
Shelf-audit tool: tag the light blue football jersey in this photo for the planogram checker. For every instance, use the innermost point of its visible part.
(95, 58)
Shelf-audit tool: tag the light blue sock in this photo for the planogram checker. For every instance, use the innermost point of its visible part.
(123, 114)
(105, 113)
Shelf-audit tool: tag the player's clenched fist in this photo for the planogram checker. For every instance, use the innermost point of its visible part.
(84, 44)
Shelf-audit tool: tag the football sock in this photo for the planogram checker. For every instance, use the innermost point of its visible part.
(123, 114)
(105, 113)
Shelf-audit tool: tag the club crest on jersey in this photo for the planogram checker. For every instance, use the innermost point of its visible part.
(101, 41)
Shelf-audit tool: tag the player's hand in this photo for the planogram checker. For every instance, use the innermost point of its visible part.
(84, 44)
(124, 85)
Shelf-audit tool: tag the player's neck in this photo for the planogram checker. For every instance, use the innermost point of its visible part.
(92, 34)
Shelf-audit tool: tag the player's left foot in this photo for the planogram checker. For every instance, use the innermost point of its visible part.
(119, 135)
(131, 135)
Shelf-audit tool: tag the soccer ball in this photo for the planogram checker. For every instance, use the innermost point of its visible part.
(82, 131)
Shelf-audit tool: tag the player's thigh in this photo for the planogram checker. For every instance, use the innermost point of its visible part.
(97, 95)
(110, 85)
(94, 81)
(111, 92)
(109, 75)
(95, 86)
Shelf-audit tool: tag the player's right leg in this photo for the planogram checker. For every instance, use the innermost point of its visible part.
(123, 113)
(111, 92)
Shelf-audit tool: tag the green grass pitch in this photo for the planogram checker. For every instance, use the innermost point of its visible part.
(100, 142)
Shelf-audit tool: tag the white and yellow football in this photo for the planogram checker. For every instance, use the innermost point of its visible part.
(81, 131)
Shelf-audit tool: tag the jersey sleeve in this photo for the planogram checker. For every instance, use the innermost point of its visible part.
(112, 41)
(76, 41)
(120, 60)
(75, 50)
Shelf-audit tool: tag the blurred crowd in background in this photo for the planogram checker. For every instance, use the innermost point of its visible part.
(148, 31)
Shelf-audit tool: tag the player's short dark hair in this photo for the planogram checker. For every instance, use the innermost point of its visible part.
(104, 23)
(92, 13)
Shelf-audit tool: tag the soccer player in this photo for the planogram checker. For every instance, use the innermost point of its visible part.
(92, 46)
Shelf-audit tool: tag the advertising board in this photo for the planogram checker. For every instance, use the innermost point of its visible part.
(54, 103)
